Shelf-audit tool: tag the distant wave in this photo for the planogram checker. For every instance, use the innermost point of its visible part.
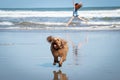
(89, 14)
(31, 23)
(6, 23)
(60, 24)
(117, 9)
(41, 23)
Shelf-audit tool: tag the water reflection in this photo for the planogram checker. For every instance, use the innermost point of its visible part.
(76, 48)
(58, 75)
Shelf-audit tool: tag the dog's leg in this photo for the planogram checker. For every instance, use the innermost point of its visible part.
(61, 60)
(55, 60)
(64, 58)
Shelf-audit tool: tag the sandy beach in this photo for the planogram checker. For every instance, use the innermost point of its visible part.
(25, 55)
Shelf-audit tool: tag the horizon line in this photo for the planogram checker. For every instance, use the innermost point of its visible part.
(64, 7)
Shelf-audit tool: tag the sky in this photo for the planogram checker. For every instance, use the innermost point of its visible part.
(55, 3)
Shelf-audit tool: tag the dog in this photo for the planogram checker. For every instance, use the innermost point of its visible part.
(59, 48)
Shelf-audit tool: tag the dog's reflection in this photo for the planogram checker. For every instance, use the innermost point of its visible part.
(58, 75)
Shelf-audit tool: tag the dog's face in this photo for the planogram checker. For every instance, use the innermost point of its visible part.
(56, 42)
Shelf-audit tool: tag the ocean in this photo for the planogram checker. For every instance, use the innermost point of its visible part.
(56, 18)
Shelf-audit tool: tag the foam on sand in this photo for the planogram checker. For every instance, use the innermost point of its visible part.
(112, 27)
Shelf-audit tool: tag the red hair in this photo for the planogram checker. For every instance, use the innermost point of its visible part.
(77, 6)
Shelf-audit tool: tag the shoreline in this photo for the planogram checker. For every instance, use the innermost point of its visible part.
(95, 28)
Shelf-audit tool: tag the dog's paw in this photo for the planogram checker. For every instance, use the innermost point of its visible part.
(54, 63)
(60, 65)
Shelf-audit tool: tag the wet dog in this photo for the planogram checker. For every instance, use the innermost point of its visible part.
(59, 48)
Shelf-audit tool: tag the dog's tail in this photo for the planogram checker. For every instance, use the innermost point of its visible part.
(49, 39)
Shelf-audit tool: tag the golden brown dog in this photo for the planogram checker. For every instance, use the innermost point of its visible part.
(59, 48)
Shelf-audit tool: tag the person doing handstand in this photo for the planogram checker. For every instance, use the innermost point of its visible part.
(77, 6)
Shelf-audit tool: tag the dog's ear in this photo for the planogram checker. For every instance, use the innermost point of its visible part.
(49, 39)
(63, 42)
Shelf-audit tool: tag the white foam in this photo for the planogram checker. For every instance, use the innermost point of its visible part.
(49, 23)
(102, 23)
(117, 10)
(65, 28)
(88, 23)
(95, 13)
(6, 23)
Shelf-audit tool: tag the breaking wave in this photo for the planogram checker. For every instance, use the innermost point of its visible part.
(91, 13)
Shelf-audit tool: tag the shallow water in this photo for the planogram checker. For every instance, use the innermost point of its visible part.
(93, 55)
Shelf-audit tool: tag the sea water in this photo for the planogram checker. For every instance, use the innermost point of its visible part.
(45, 18)
(26, 55)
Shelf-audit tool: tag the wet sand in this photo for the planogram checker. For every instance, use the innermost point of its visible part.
(93, 55)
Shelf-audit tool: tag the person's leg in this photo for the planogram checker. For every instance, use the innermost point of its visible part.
(70, 20)
(82, 19)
